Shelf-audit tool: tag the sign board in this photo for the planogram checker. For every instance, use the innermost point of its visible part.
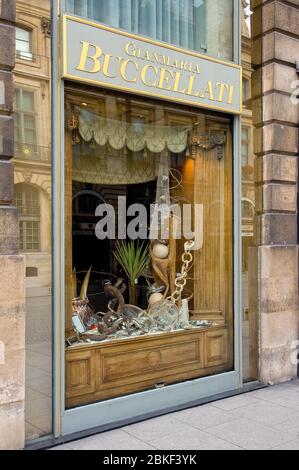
(110, 58)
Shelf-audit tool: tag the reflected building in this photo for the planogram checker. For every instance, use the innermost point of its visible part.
(32, 170)
(248, 189)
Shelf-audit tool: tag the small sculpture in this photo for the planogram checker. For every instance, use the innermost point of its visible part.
(164, 269)
(160, 251)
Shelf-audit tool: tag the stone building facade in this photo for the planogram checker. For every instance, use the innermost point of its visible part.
(271, 272)
(274, 270)
(33, 198)
(12, 297)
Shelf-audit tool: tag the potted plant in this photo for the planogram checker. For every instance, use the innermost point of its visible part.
(133, 259)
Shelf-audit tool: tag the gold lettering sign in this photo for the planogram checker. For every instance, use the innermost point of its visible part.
(96, 54)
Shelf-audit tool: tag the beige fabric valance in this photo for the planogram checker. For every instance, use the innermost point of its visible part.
(105, 169)
(136, 137)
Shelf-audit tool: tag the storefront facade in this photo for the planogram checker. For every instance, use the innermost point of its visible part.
(146, 298)
(127, 147)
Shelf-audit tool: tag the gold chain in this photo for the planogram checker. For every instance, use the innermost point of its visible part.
(181, 280)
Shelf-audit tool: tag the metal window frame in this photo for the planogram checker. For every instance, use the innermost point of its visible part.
(131, 408)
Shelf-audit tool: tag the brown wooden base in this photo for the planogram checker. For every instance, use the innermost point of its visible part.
(100, 371)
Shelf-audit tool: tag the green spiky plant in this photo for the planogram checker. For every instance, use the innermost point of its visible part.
(133, 258)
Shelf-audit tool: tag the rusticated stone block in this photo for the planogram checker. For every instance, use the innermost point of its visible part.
(273, 167)
(274, 333)
(7, 46)
(279, 138)
(12, 321)
(258, 140)
(12, 290)
(280, 47)
(257, 111)
(274, 107)
(276, 365)
(6, 182)
(12, 376)
(276, 229)
(278, 262)
(276, 77)
(8, 10)
(256, 55)
(6, 136)
(279, 295)
(276, 197)
(12, 429)
(9, 231)
(6, 91)
(257, 25)
(277, 15)
(257, 83)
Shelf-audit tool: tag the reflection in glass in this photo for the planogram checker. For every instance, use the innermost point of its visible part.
(23, 44)
(249, 273)
(154, 310)
(200, 25)
(33, 194)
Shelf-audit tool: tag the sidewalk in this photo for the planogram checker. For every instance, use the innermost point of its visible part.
(265, 419)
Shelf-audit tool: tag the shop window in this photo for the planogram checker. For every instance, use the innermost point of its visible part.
(28, 202)
(200, 25)
(25, 118)
(126, 302)
(24, 44)
(33, 196)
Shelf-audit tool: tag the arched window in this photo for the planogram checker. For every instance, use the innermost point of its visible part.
(86, 202)
(248, 209)
(24, 44)
(28, 202)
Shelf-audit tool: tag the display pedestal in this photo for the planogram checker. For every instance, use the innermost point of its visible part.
(100, 371)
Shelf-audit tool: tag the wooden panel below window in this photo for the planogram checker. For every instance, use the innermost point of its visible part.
(101, 371)
(80, 373)
(215, 348)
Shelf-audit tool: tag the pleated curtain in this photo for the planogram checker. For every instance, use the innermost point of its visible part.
(179, 22)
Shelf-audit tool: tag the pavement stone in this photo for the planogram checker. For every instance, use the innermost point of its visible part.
(260, 420)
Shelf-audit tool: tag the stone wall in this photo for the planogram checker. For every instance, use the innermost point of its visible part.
(12, 324)
(274, 275)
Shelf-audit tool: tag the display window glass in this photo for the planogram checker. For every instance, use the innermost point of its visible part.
(33, 196)
(201, 25)
(149, 245)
